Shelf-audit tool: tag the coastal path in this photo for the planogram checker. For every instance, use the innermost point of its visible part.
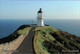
(26, 47)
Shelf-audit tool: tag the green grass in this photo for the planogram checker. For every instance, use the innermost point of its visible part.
(51, 40)
(42, 36)
(23, 31)
(47, 28)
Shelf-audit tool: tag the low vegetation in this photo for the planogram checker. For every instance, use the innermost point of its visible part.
(50, 40)
(21, 30)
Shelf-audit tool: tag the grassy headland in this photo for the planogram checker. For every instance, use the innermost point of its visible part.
(51, 40)
(22, 30)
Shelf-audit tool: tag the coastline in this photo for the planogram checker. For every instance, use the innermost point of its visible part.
(9, 47)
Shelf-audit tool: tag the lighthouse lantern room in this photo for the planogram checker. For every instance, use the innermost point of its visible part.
(40, 18)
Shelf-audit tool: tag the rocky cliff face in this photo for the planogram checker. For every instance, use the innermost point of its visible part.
(51, 40)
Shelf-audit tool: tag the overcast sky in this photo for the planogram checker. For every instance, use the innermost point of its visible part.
(12, 9)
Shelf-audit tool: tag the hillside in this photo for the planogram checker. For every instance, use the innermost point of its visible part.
(49, 40)
(21, 30)
(13, 41)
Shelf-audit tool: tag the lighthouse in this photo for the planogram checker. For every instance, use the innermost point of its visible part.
(40, 18)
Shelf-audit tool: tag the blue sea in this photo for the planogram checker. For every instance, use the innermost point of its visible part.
(9, 26)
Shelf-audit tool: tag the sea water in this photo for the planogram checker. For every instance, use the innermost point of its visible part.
(7, 27)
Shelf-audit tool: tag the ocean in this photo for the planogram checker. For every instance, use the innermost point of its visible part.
(7, 27)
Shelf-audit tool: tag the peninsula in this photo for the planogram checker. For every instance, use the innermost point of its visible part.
(40, 39)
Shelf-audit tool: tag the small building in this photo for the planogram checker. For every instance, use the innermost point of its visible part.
(40, 18)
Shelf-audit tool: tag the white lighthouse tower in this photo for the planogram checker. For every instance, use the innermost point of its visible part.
(40, 18)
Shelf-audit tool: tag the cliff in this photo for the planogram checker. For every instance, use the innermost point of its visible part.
(50, 40)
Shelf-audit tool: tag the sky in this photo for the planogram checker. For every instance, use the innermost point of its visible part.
(22, 9)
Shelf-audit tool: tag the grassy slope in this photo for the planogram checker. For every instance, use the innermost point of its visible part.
(21, 30)
(51, 40)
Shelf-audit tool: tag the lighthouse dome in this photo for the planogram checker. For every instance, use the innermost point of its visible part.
(40, 11)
